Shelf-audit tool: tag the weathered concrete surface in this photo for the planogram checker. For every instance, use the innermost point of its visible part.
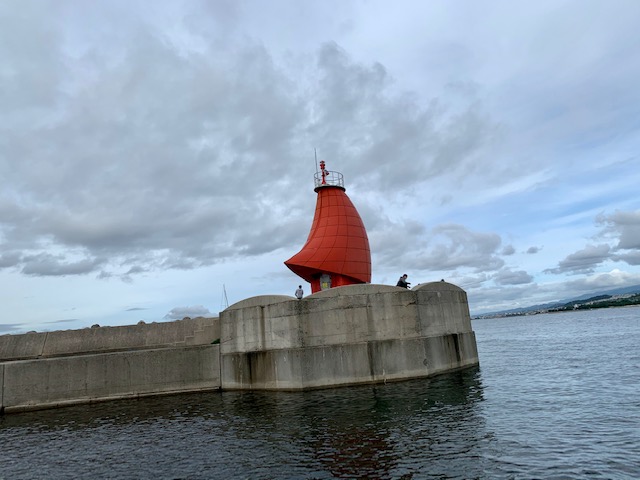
(59, 381)
(334, 365)
(1, 387)
(42, 370)
(346, 335)
(27, 345)
(343, 336)
(189, 331)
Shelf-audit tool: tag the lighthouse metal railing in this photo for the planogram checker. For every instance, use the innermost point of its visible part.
(330, 178)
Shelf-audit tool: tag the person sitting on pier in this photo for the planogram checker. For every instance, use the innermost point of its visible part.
(403, 282)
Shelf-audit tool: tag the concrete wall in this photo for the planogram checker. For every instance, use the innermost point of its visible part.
(346, 335)
(189, 331)
(59, 381)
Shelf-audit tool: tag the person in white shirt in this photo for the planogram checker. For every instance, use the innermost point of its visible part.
(299, 292)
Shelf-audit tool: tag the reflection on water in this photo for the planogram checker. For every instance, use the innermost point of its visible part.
(395, 430)
(375, 431)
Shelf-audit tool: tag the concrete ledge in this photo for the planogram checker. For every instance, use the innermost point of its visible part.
(359, 289)
(437, 287)
(260, 300)
(1, 388)
(27, 345)
(45, 383)
(192, 331)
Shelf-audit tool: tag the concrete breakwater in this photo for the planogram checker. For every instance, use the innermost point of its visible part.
(51, 369)
(342, 336)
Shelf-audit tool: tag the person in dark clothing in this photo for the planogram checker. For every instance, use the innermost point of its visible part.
(403, 282)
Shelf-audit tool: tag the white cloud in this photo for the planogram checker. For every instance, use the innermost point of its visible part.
(179, 313)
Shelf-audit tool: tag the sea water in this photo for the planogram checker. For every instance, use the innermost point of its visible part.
(555, 396)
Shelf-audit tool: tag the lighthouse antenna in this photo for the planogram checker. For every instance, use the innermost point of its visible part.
(315, 154)
(224, 301)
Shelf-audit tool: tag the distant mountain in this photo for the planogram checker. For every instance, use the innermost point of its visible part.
(615, 291)
(546, 306)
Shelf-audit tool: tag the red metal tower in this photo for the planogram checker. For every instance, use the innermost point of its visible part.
(337, 250)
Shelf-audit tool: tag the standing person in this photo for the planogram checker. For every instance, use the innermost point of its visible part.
(403, 282)
(299, 292)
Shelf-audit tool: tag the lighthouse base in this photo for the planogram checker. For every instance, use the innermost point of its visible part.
(345, 336)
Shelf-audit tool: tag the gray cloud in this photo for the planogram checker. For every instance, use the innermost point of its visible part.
(631, 258)
(47, 265)
(502, 298)
(533, 250)
(469, 281)
(583, 261)
(153, 182)
(386, 135)
(615, 278)
(453, 246)
(10, 327)
(621, 231)
(165, 159)
(67, 320)
(508, 277)
(10, 259)
(408, 245)
(625, 226)
(179, 313)
(508, 250)
(391, 240)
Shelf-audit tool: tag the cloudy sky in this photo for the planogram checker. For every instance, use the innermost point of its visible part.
(155, 154)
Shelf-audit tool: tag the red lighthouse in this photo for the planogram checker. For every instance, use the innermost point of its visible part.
(337, 250)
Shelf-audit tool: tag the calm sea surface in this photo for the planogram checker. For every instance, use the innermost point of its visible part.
(556, 396)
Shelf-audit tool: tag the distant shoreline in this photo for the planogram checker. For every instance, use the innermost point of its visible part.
(589, 304)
